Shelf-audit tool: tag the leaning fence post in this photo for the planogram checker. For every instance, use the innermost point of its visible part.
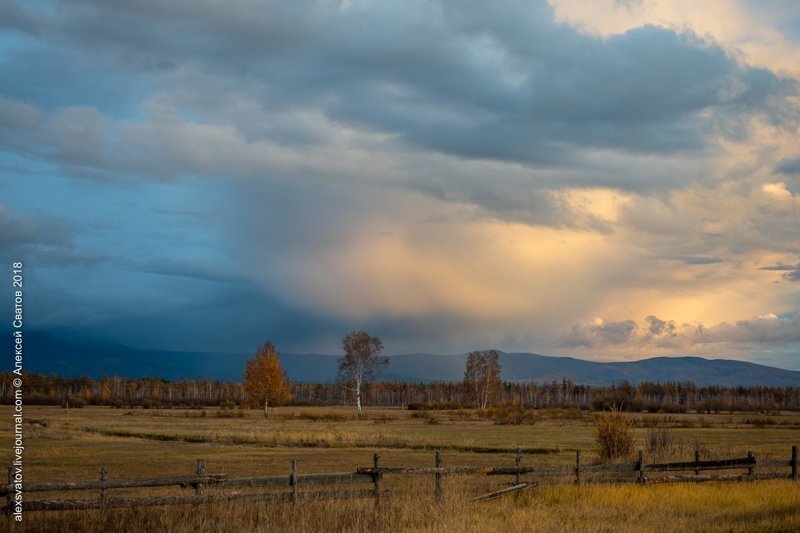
(201, 470)
(293, 480)
(697, 460)
(751, 470)
(376, 478)
(438, 477)
(518, 462)
(642, 478)
(10, 497)
(794, 463)
(578, 467)
(103, 478)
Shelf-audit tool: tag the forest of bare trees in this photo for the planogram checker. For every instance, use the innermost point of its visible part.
(646, 396)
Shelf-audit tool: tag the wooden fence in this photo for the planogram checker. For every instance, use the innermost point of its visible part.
(523, 477)
(580, 473)
(197, 483)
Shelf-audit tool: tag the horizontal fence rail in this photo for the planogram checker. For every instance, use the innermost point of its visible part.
(722, 464)
(181, 481)
(88, 503)
(198, 482)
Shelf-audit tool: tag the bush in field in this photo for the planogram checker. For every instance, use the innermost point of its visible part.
(434, 406)
(661, 445)
(75, 402)
(226, 412)
(613, 434)
(329, 416)
(509, 415)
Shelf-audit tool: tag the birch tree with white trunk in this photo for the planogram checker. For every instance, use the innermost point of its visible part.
(361, 363)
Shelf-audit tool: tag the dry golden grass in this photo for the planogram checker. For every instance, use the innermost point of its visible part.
(73, 446)
(761, 506)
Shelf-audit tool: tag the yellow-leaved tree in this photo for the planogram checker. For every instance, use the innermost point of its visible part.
(265, 381)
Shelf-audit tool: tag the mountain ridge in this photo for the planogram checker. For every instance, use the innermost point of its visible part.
(46, 353)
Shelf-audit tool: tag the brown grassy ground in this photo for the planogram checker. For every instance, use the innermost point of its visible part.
(64, 446)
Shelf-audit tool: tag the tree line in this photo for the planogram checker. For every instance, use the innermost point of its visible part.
(646, 396)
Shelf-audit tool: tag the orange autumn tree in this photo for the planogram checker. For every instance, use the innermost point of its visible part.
(264, 379)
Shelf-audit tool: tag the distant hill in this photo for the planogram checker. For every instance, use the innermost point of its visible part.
(46, 353)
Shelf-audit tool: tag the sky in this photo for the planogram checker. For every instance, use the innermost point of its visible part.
(608, 179)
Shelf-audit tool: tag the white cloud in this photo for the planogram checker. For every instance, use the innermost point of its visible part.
(654, 333)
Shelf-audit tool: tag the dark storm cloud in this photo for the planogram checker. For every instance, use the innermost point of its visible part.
(656, 326)
(700, 260)
(43, 239)
(789, 166)
(154, 91)
(17, 229)
(502, 83)
(790, 273)
(225, 318)
(13, 17)
(196, 270)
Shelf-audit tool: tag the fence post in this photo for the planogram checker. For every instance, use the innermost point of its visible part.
(751, 470)
(10, 497)
(104, 478)
(438, 477)
(376, 478)
(794, 463)
(578, 467)
(293, 480)
(697, 460)
(518, 462)
(201, 470)
(642, 478)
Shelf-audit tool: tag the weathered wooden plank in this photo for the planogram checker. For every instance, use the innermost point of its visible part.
(207, 479)
(438, 477)
(624, 481)
(103, 477)
(427, 470)
(503, 492)
(705, 478)
(76, 504)
(491, 470)
(201, 470)
(774, 464)
(302, 479)
(721, 464)
(293, 480)
(192, 480)
(513, 470)
(377, 478)
(499, 470)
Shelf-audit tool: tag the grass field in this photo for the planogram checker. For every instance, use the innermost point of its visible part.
(72, 446)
